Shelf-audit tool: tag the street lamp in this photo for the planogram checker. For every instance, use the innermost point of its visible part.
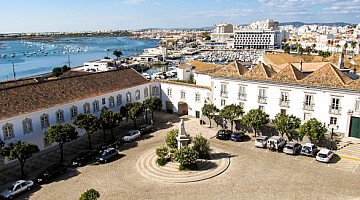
(332, 126)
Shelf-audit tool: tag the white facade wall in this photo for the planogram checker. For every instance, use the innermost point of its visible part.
(37, 135)
(190, 93)
(322, 100)
(184, 74)
(257, 39)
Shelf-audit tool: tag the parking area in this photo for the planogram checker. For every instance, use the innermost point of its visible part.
(253, 174)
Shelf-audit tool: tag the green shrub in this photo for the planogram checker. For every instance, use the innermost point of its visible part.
(57, 71)
(162, 152)
(202, 147)
(90, 194)
(170, 139)
(161, 161)
(186, 156)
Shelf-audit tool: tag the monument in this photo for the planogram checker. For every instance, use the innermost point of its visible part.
(182, 138)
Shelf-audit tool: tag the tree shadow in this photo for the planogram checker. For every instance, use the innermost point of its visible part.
(204, 165)
(221, 155)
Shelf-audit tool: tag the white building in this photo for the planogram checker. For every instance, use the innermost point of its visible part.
(102, 65)
(258, 39)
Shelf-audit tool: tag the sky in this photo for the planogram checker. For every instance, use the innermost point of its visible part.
(92, 15)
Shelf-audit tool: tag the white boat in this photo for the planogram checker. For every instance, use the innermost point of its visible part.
(3, 56)
(12, 55)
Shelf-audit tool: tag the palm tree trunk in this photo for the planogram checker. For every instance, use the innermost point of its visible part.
(254, 131)
(61, 145)
(146, 116)
(210, 121)
(112, 134)
(134, 122)
(22, 164)
(104, 134)
(89, 140)
(152, 116)
(231, 122)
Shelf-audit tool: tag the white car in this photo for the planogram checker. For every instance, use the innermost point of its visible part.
(309, 149)
(131, 135)
(261, 141)
(17, 188)
(324, 155)
(276, 143)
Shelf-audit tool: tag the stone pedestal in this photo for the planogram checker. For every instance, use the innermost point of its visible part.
(182, 138)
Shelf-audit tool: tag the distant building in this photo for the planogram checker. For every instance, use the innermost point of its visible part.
(102, 65)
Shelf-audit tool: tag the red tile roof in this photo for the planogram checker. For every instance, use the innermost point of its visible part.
(33, 97)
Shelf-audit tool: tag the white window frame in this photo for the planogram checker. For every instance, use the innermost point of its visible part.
(8, 131)
(111, 102)
(197, 97)
(137, 95)
(96, 106)
(73, 112)
(44, 121)
(59, 116)
(27, 125)
(86, 108)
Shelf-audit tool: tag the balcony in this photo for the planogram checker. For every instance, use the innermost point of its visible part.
(262, 100)
(242, 97)
(335, 110)
(224, 94)
(284, 103)
(308, 107)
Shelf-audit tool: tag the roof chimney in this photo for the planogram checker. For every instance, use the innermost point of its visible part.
(341, 60)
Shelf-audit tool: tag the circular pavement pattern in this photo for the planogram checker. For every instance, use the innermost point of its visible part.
(216, 165)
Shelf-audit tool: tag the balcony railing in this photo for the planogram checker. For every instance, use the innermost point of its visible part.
(284, 103)
(335, 110)
(223, 93)
(242, 97)
(309, 107)
(262, 100)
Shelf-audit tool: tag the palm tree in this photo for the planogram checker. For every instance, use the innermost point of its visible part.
(88, 122)
(117, 53)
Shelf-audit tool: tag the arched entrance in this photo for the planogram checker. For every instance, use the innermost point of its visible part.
(183, 108)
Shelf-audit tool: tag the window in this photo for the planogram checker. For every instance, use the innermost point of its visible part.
(283, 111)
(284, 96)
(307, 116)
(146, 92)
(8, 131)
(128, 97)
(223, 102)
(73, 112)
(169, 92)
(155, 90)
(242, 92)
(262, 93)
(119, 100)
(262, 108)
(59, 116)
(357, 105)
(103, 101)
(333, 120)
(335, 103)
(27, 125)
(183, 95)
(111, 102)
(96, 106)
(86, 108)
(223, 91)
(137, 95)
(44, 120)
(197, 97)
(308, 100)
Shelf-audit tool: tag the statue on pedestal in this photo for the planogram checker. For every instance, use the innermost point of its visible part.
(182, 138)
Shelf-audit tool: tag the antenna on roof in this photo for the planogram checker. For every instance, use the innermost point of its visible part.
(13, 67)
(69, 61)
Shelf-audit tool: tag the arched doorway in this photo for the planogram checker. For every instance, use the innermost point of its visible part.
(183, 108)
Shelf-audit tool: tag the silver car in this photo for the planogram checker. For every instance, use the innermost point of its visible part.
(261, 141)
(17, 188)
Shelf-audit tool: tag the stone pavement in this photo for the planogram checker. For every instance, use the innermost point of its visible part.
(51, 155)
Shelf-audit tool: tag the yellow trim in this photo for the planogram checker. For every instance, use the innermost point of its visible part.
(349, 158)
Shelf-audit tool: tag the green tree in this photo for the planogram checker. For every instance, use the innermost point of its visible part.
(255, 119)
(353, 44)
(187, 157)
(286, 123)
(146, 105)
(209, 110)
(110, 120)
(202, 146)
(88, 122)
(117, 53)
(313, 129)
(170, 138)
(57, 71)
(124, 112)
(21, 151)
(155, 104)
(135, 110)
(65, 68)
(162, 153)
(90, 194)
(61, 134)
(286, 48)
(231, 113)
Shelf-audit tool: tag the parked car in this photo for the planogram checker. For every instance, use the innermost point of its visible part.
(107, 154)
(83, 158)
(276, 143)
(324, 155)
(131, 135)
(309, 149)
(106, 146)
(146, 128)
(51, 172)
(224, 134)
(16, 189)
(261, 141)
(238, 136)
(292, 148)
